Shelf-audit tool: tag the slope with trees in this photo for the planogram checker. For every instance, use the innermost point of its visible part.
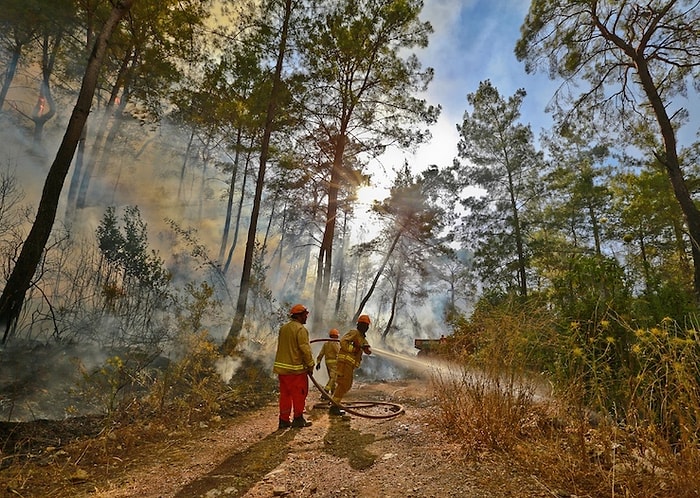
(636, 59)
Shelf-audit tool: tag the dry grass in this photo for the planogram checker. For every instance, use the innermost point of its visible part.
(570, 451)
(483, 412)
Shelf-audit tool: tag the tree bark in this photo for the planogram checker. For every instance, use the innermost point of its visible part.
(10, 73)
(325, 253)
(376, 277)
(394, 302)
(670, 153)
(12, 298)
(239, 213)
(673, 168)
(231, 188)
(232, 339)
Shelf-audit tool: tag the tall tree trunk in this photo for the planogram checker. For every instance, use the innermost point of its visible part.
(522, 266)
(183, 169)
(669, 157)
(98, 153)
(325, 253)
(376, 277)
(80, 161)
(10, 73)
(670, 160)
(114, 110)
(20, 279)
(231, 188)
(394, 302)
(276, 256)
(341, 264)
(269, 221)
(232, 338)
(234, 242)
(206, 158)
(45, 109)
(304, 273)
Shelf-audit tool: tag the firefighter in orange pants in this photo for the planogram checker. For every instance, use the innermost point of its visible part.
(330, 352)
(293, 361)
(352, 345)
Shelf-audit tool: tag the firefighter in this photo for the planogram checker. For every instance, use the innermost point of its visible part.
(293, 361)
(352, 345)
(330, 352)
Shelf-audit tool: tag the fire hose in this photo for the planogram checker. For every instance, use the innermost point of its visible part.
(353, 406)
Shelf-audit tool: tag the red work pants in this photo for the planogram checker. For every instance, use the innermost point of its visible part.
(293, 391)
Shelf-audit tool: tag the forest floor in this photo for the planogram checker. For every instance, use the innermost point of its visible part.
(247, 456)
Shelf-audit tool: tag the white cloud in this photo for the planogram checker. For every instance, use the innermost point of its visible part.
(473, 40)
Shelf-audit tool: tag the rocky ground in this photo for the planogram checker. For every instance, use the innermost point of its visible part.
(246, 456)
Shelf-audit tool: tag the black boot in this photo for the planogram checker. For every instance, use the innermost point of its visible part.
(284, 424)
(334, 410)
(299, 422)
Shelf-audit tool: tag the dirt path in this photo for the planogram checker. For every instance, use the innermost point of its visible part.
(404, 456)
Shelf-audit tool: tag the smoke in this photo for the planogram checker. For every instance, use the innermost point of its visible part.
(226, 367)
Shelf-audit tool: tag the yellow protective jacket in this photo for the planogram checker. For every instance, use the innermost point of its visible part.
(330, 351)
(351, 346)
(294, 354)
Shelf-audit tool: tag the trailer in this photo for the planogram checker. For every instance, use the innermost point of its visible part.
(428, 347)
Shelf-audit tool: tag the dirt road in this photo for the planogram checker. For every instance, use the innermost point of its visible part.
(404, 456)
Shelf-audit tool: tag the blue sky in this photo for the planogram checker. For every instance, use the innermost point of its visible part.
(473, 41)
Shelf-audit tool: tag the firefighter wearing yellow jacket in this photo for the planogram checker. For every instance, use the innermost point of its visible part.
(293, 361)
(352, 346)
(329, 351)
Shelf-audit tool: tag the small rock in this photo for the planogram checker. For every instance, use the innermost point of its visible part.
(78, 476)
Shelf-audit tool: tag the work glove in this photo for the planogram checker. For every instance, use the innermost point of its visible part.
(318, 366)
(310, 370)
(367, 350)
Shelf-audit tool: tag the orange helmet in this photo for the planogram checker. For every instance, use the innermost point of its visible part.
(363, 319)
(298, 309)
(334, 333)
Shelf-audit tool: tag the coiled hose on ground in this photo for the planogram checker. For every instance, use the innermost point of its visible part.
(353, 407)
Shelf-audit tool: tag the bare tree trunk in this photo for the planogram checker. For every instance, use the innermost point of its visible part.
(232, 338)
(234, 242)
(45, 108)
(669, 157)
(394, 301)
(670, 160)
(113, 110)
(20, 279)
(376, 277)
(98, 153)
(183, 169)
(10, 73)
(276, 256)
(269, 221)
(231, 188)
(341, 264)
(325, 253)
